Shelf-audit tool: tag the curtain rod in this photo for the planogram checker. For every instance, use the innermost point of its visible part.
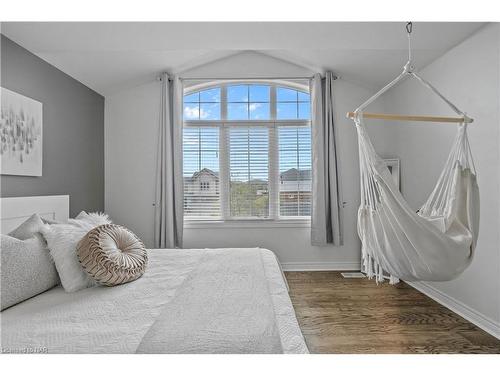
(245, 78)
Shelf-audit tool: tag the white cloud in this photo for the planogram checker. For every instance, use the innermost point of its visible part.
(194, 112)
(191, 112)
(204, 114)
(254, 106)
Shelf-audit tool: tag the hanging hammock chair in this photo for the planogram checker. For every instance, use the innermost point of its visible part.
(437, 242)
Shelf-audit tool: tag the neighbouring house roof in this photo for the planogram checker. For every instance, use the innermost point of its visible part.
(294, 174)
(204, 171)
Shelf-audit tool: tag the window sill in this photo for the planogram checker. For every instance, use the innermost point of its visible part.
(249, 223)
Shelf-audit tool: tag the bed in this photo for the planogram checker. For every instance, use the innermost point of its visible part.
(188, 301)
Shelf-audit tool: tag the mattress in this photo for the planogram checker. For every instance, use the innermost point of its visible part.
(188, 301)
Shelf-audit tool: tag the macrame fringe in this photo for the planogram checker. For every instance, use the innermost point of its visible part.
(373, 270)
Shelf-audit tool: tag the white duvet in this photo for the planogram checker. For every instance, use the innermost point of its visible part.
(188, 301)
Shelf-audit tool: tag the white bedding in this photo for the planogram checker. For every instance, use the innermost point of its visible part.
(136, 317)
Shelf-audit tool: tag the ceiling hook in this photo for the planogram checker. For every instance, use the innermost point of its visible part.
(409, 27)
(409, 68)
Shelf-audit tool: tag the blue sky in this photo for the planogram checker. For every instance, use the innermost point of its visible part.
(247, 102)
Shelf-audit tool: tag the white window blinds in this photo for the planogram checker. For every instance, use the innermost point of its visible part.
(248, 171)
(252, 162)
(201, 172)
(295, 170)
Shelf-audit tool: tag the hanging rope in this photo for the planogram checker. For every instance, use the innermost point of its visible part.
(408, 70)
(409, 29)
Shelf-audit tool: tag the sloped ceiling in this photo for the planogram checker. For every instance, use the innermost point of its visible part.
(109, 57)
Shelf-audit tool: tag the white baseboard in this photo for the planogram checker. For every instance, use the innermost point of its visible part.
(466, 312)
(320, 266)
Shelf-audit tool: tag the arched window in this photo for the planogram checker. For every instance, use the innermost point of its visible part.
(247, 151)
(247, 102)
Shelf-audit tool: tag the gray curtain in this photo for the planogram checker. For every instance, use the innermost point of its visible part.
(327, 206)
(169, 213)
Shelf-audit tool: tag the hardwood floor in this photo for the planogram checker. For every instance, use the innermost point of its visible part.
(340, 315)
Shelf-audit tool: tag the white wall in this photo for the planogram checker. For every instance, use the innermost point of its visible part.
(131, 123)
(131, 120)
(469, 76)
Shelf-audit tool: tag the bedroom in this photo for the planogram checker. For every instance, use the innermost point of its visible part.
(230, 178)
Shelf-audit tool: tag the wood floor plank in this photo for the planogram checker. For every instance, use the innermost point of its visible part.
(340, 315)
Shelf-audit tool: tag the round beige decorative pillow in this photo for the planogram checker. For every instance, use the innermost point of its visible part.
(112, 255)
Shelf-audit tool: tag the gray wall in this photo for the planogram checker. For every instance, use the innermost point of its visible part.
(73, 131)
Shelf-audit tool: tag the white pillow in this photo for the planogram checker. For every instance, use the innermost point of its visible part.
(62, 240)
(28, 228)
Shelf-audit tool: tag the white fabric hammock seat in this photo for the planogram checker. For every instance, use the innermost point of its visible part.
(434, 244)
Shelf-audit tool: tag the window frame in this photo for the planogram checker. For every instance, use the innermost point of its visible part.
(273, 123)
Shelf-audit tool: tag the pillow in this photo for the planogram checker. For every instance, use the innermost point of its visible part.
(112, 255)
(62, 240)
(81, 215)
(27, 269)
(94, 218)
(50, 221)
(28, 228)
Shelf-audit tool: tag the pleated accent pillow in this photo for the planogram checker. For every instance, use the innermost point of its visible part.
(112, 255)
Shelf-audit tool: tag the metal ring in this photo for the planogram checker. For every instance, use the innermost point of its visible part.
(409, 27)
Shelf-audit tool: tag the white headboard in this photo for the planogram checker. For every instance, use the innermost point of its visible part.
(13, 211)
